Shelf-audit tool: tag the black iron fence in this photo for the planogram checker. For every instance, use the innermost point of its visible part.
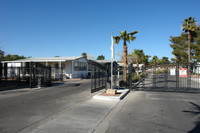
(35, 75)
(173, 77)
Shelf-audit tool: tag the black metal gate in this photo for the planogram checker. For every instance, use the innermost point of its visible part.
(172, 77)
(101, 76)
(33, 75)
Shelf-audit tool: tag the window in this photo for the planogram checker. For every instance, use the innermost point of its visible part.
(80, 66)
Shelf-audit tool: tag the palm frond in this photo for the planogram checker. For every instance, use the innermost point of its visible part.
(123, 33)
(134, 32)
(189, 24)
(132, 38)
(126, 37)
(116, 39)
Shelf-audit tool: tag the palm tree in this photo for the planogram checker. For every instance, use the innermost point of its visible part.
(139, 54)
(189, 26)
(145, 60)
(125, 37)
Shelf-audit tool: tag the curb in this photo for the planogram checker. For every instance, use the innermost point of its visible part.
(124, 92)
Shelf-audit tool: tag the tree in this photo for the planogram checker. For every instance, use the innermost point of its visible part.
(10, 57)
(101, 57)
(155, 60)
(84, 55)
(189, 27)
(164, 60)
(139, 57)
(125, 37)
(145, 60)
(138, 54)
(180, 47)
(196, 46)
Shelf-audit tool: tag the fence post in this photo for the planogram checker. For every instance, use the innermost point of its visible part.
(105, 78)
(91, 75)
(177, 76)
(95, 81)
(189, 76)
(5, 71)
(154, 76)
(130, 76)
(49, 78)
(39, 82)
(99, 77)
(30, 77)
(165, 75)
(1, 68)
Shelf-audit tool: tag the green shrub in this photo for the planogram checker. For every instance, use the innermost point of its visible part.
(144, 75)
(161, 71)
(136, 77)
(122, 84)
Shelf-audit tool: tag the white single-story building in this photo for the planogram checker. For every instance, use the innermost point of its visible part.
(196, 68)
(66, 67)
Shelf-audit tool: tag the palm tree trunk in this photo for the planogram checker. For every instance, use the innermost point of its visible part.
(189, 50)
(137, 62)
(125, 62)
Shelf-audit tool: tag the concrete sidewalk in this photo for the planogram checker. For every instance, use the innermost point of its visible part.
(82, 118)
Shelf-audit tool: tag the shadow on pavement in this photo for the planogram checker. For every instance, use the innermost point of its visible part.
(12, 85)
(57, 84)
(194, 112)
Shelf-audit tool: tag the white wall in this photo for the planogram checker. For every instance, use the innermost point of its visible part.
(14, 64)
(68, 69)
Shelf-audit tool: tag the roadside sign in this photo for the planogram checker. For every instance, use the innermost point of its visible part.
(182, 72)
(172, 71)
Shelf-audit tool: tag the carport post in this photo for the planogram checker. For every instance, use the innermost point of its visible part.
(60, 71)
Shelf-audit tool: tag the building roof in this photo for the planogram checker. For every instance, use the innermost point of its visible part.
(46, 59)
(103, 61)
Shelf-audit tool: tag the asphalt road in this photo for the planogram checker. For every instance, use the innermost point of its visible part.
(28, 108)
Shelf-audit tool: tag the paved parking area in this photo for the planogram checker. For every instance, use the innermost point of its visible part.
(154, 112)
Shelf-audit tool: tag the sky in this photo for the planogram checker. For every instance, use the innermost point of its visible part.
(48, 28)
